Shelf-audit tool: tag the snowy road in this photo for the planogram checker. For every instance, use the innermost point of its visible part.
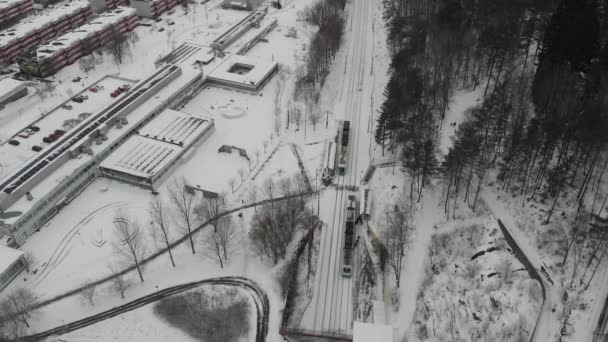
(331, 308)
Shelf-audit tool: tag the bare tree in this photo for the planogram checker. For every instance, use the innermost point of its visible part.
(120, 283)
(315, 116)
(265, 145)
(211, 208)
(398, 234)
(129, 242)
(252, 195)
(29, 260)
(17, 307)
(118, 45)
(184, 204)
(88, 292)
(285, 186)
(242, 173)
(232, 183)
(160, 223)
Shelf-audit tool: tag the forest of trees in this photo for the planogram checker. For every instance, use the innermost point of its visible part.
(540, 126)
(542, 67)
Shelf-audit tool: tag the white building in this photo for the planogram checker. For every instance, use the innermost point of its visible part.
(12, 263)
(146, 157)
(11, 90)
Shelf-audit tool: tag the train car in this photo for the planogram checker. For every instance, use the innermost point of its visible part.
(364, 202)
(343, 135)
(329, 162)
(347, 258)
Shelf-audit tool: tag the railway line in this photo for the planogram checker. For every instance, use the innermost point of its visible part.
(258, 295)
(331, 309)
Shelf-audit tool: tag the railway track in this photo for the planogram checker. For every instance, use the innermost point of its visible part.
(258, 295)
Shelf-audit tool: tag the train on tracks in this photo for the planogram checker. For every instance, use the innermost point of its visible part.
(347, 257)
(342, 140)
(329, 162)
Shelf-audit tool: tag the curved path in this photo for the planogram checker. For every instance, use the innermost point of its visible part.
(258, 295)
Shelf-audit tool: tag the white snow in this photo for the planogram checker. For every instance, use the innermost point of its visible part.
(8, 87)
(460, 102)
(366, 332)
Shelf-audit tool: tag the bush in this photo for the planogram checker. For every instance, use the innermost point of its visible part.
(209, 317)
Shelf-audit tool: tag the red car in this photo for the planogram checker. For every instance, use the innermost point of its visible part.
(93, 89)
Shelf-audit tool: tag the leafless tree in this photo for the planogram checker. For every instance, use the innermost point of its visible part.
(184, 204)
(315, 116)
(232, 183)
(210, 209)
(16, 307)
(398, 234)
(88, 292)
(160, 223)
(252, 196)
(257, 156)
(242, 173)
(226, 238)
(285, 186)
(269, 189)
(296, 116)
(118, 45)
(129, 244)
(272, 230)
(29, 260)
(265, 145)
(120, 283)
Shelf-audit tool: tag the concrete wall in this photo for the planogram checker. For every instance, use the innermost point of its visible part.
(14, 96)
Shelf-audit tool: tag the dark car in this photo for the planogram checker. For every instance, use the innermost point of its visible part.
(35, 128)
(59, 132)
(36, 148)
(78, 99)
(14, 142)
(46, 140)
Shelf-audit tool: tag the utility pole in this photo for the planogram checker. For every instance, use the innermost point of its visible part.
(318, 194)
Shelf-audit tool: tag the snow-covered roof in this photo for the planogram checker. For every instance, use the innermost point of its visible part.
(4, 4)
(156, 145)
(39, 22)
(8, 86)
(366, 332)
(258, 72)
(89, 29)
(7, 257)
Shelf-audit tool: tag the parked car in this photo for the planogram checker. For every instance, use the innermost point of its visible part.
(78, 100)
(170, 22)
(46, 140)
(35, 128)
(93, 89)
(84, 97)
(14, 142)
(36, 148)
(67, 106)
(54, 136)
(76, 79)
(23, 135)
(158, 20)
(161, 29)
(59, 132)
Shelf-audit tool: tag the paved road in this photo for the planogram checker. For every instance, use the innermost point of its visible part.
(331, 307)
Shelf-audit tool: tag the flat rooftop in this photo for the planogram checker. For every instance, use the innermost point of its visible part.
(8, 256)
(41, 21)
(4, 4)
(158, 144)
(366, 332)
(8, 85)
(243, 70)
(13, 157)
(248, 36)
(95, 25)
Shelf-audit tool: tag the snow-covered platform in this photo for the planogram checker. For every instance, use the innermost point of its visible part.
(147, 156)
(243, 73)
(11, 90)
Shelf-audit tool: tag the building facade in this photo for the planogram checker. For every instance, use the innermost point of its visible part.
(12, 262)
(248, 5)
(24, 36)
(152, 8)
(12, 10)
(51, 57)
